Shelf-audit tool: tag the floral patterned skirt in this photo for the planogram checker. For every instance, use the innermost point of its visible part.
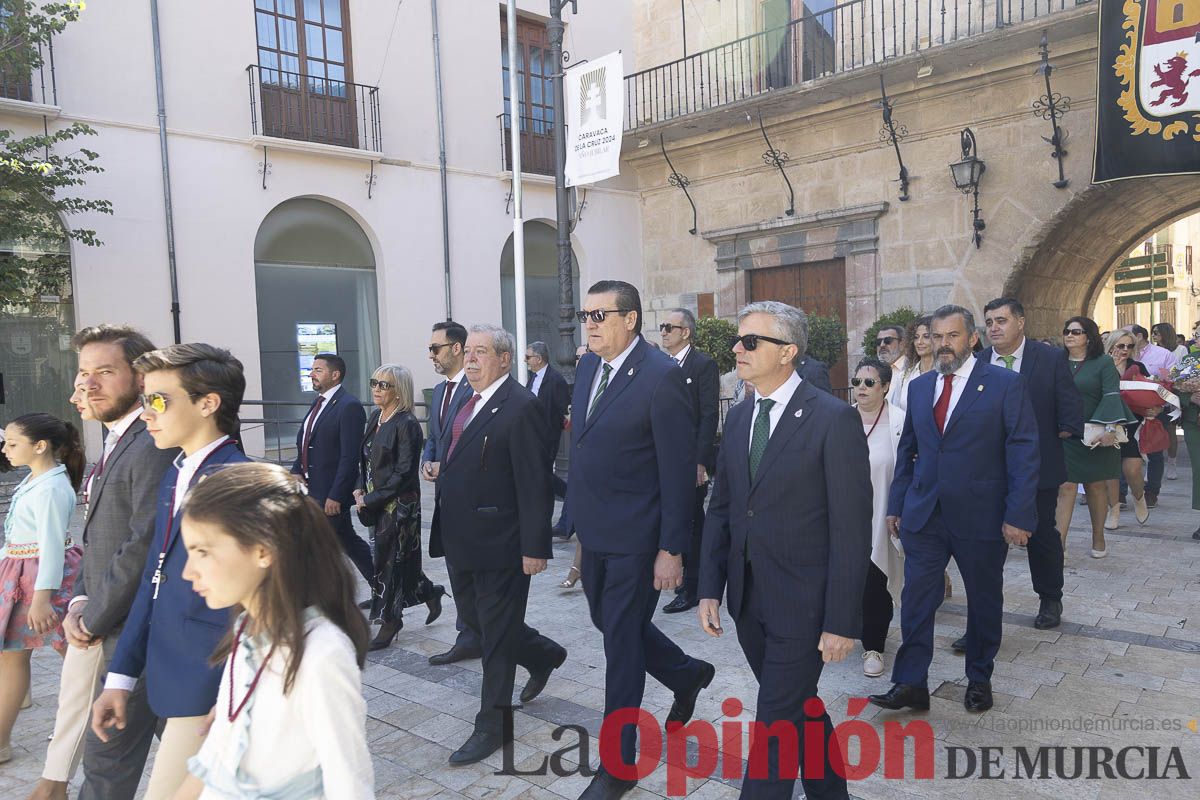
(18, 576)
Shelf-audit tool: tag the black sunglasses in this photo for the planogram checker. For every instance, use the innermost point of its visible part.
(385, 385)
(750, 341)
(1073, 332)
(434, 348)
(886, 340)
(1122, 346)
(868, 382)
(667, 327)
(599, 314)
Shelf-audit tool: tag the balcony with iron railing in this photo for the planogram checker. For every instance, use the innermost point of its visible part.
(537, 144)
(35, 92)
(841, 39)
(305, 108)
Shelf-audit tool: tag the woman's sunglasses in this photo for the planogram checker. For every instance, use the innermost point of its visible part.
(385, 385)
(750, 341)
(1122, 346)
(1073, 332)
(868, 382)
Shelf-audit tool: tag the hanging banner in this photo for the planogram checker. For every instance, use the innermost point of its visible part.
(1148, 89)
(594, 95)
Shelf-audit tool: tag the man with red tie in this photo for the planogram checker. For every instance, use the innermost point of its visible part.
(965, 486)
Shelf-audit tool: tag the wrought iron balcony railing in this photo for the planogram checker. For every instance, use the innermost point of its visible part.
(846, 37)
(36, 87)
(537, 144)
(291, 105)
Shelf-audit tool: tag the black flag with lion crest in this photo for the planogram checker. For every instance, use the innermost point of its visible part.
(1148, 89)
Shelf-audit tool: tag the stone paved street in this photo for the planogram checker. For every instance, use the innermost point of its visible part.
(1127, 654)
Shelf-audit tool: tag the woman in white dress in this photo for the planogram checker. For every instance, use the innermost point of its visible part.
(883, 424)
(916, 360)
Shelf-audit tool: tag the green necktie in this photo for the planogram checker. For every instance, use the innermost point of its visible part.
(1008, 361)
(600, 389)
(760, 435)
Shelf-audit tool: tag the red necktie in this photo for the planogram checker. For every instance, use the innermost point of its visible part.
(942, 407)
(446, 402)
(460, 422)
(312, 418)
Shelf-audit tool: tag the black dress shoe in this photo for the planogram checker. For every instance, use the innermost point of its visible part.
(606, 787)
(479, 746)
(537, 680)
(959, 645)
(685, 704)
(387, 632)
(434, 603)
(979, 696)
(1049, 615)
(682, 602)
(455, 653)
(1196, 533)
(901, 695)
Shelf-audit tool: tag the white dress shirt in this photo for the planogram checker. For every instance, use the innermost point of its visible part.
(484, 397)
(536, 386)
(1018, 355)
(782, 396)
(682, 355)
(961, 376)
(328, 395)
(616, 367)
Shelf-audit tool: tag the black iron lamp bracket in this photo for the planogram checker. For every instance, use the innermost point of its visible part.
(779, 158)
(675, 178)
(891, 133)
(370, 180)
(264, 168)
(1052, 106)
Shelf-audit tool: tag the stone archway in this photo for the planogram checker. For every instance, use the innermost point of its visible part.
(1063, 269)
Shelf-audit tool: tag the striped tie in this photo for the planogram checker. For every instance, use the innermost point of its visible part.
(600, 389)
(460, 422)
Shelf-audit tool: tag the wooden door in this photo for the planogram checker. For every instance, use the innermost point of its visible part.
(817, 288)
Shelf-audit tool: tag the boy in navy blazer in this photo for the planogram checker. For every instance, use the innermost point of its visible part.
(191, 400)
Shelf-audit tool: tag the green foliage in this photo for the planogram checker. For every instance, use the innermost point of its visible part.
(712, 338)
(901, 316)
(826, 339)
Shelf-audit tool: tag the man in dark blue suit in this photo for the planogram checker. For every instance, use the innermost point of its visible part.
(1058, 407)
(815, 371)
(965, 486)
(550, 388)
(631, 495)
(492, 518)
(788, 537)
(327, 454)
(447, 347)
(704, 388)
(191, 401)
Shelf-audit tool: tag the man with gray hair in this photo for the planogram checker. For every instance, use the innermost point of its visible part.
(550, 388)
(788, 541)
(889, 343)
(965, 487)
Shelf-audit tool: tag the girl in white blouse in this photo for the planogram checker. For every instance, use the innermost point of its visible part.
(290, 720)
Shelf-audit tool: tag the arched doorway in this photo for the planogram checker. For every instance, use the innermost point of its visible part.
(1071, 257)
(541, 285)
(37, 320)
(314, 271)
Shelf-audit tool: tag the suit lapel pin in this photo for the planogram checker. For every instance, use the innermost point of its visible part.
(494, 410)
(979, 388)
(799, 411)
(630, 373)
(689, 380)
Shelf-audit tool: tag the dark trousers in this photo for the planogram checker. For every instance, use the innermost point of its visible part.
(493, 603)
(877, 610)
(691, 559)
(981, 561)
(1044, 549)
(358, 550)
(622, 599)
(113, 769)
(468, 638)
(787, 669)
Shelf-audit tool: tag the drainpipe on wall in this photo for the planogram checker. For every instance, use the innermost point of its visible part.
(441, 122)
(166, 169)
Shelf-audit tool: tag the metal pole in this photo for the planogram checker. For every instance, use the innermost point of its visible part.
(168, 208)
(514, 64)
(683, 17)
(441, 121)
(566, 278)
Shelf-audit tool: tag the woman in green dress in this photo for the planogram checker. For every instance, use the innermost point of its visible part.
(1097, 380)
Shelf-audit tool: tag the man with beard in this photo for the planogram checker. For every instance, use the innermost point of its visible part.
(965, 486)
(889, 343)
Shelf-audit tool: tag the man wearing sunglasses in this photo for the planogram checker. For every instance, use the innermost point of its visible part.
(788, 541)
(704, 387)
(889, 343)
(631, 496)
(965, 487)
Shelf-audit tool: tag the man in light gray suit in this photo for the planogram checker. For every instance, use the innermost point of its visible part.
(121, 493)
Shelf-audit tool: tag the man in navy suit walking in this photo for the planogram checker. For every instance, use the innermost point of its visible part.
(631, 495)
(447, 351)
(965, 486)
(327, 454)
(551, 389)
(788, 537)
